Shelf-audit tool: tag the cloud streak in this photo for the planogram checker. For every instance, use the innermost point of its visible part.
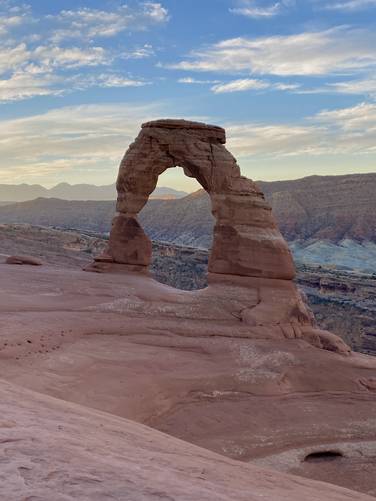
(70, 141)
(334, 51)
(350, 5)
(87, 142)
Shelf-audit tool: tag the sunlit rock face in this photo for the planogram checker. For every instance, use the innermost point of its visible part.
(249, 257)
(246, 240)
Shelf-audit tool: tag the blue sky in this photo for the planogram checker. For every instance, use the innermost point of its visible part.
(293, 82)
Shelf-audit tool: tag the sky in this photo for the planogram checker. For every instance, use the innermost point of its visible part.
(292, 81)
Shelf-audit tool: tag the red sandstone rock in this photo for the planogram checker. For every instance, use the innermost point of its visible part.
(24, 260)
(56, 450)
(248, 255)
(128, 242)
(246, 242)
(189, 364)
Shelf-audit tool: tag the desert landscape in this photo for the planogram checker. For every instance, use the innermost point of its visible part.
(188, 250)
(229, 389)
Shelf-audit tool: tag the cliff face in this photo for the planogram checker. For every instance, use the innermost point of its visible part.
(325, 207)
(343, 303)
(331, 208)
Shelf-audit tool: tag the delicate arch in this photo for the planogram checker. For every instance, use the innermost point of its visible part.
(246, 240)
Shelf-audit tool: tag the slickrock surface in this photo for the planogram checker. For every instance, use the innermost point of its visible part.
(184, 363)
(56, 450)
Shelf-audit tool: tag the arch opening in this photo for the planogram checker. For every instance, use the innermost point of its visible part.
(179, 223)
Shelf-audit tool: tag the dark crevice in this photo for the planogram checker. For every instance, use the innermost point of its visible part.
(323, 456)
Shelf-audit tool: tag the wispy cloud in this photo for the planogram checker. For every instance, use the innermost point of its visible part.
(350, 5)
(255, 10)
(71, 140)
(247, 84)
(31, 67)
(240, 85)
(344, 131)
(334, 51)
(196, 81)
(365, 86)
(87, 23)
(12, 16)
(139, 52)
(88, 141)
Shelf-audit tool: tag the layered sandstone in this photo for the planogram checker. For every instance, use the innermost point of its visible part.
(246, 239)
(249, 254)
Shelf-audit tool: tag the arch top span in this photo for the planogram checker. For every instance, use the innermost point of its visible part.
(246, 239)
(212, 133)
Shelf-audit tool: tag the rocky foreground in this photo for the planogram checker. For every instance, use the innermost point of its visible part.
(62, 451)
(240, 367)
(180, 363)
(343, 302)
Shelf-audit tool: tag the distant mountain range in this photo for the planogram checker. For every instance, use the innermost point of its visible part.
(65, 191)
(326, 219)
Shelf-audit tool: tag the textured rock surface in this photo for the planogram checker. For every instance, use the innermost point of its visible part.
(186, 364)
(343, 303)
(57, 450)
(246, 239)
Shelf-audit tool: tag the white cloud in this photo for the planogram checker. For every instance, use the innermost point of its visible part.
(274, 140)
(245, 84)
(72, 57)
(361, 118)
(240, 85)
(350, 5)
(365, 86)
(286, 86)
(190, 80)
(106, 80)
(12, 57)
(11, 17)
(6, 23)
(29, 70)
(26, 84)
(336, 50)
(74, 139)
(345, 131)
(251, 9)
(82, 141)
(139, 52)
(87, 23)
(30, 67)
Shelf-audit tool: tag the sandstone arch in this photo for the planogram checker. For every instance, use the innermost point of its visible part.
(246, 239)
(250, 266)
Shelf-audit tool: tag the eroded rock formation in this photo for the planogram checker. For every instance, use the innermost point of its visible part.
(246, 242)
(249, 258)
